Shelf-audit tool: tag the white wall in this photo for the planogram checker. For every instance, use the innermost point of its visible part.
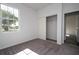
(53, 9)
(60, 10)
(27, 30)
(70, 7)
(51, 27)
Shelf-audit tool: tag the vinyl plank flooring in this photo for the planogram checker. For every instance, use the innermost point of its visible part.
(41, 47)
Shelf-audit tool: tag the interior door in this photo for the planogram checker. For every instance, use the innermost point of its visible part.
(42, 28)
(71, 28)
(77, 28)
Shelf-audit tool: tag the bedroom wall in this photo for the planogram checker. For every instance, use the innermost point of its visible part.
(53, 9)
(27, 30)
(59, 10)
(70, 7)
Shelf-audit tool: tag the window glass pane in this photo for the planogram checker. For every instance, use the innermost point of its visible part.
(0, 20)
(4, 11)
(0, 16)
(5, 24)
(16, 14)
(10, 12)
(5, 28)
(16, 18)
(9, 18)
(3, 7)
(0, 13)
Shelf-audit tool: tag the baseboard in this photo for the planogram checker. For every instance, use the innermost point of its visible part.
(77, 43)
(17, 44)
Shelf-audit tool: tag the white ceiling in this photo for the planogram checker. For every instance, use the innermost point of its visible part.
(37, 6)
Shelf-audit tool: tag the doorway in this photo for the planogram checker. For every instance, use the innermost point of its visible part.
(51, 28)
(72, 28)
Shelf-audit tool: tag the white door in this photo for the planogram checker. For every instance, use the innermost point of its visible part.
(42, 28)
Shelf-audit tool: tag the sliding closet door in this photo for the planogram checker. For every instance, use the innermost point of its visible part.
(77, 28)
(71, 17)
(51, 27)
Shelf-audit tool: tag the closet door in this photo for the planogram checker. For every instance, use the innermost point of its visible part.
(42, 28)
(77, 28)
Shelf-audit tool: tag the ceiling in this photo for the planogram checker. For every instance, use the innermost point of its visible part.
(37, 6)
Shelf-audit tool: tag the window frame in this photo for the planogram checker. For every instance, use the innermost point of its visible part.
(8, 25)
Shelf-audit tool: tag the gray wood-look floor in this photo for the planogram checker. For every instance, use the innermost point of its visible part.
(42, 47)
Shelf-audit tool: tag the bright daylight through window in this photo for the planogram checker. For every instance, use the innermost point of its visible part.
(8, 18)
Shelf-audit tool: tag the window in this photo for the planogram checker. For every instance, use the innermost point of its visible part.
(8, 18)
